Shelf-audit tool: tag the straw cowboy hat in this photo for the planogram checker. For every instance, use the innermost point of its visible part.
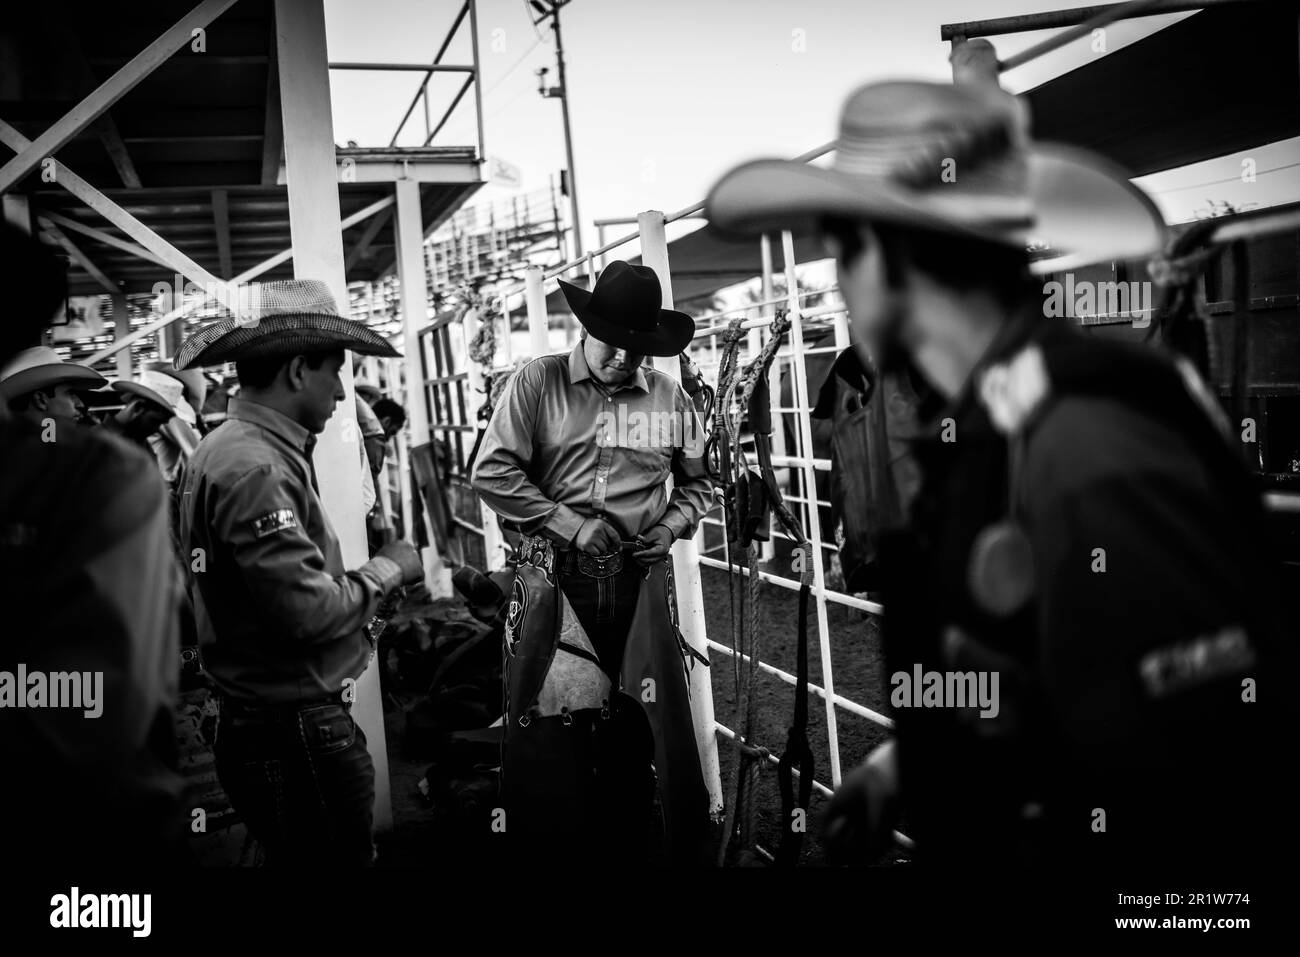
(952, 158)
(194, 381)
(625, 310)
(160, 389)
(285, 319)
(41, 368)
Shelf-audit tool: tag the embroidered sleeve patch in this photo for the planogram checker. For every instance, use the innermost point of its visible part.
(272, 522)
(1190, 664)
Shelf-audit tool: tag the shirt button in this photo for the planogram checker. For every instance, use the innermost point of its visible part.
(600, 478)
(609, 398)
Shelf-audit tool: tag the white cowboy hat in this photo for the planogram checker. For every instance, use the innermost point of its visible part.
(161, 389)
(955, 159)
(41, 368)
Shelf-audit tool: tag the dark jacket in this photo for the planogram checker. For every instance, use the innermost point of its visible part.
(88, 584)
(1121, 689)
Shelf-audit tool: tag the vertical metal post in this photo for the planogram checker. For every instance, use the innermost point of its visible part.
(568, 132)
(314, 224)
(494, 555)
(121, 326)
(686, 552)
(478, 77)
(804, 405)
(535, 299)
(507, 335)
(415, 315)
(767, 550)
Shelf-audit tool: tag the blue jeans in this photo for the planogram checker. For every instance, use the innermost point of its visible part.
(301, 779)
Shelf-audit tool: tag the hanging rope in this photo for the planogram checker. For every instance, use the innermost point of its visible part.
(1182, 319)
(749, 498)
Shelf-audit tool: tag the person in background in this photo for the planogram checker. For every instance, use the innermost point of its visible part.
(36, 385)
(591, 501)
(89, 587)
(151, 401)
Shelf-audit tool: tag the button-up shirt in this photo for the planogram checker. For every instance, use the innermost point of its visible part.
(279, 618)
(561, 448)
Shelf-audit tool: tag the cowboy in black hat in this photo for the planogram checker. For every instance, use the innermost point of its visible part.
(1083, 532)
(282, 623)
(576, 457)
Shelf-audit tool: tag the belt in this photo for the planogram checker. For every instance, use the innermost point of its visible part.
(250, 709)
(573, 560)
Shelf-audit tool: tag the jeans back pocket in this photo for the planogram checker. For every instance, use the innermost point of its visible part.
(327, 728)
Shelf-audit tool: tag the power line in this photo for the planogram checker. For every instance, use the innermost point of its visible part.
(499, 80)
(1221, 182)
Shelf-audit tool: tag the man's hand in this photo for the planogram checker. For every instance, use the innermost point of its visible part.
(407, 558)
(860, 820)
(658, 541)
(597, 537)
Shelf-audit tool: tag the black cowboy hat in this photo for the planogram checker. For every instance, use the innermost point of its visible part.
(625, 310)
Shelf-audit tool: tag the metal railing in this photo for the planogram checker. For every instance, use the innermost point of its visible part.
(472, 71)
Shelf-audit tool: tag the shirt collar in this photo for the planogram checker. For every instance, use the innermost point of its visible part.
(579, 370)
(273, 421)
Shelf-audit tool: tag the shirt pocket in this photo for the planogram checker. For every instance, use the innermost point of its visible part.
(647, 441)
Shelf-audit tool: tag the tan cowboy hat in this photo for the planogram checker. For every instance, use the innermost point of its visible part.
(955, 159)
(161, 389)
(284, 319)
(194, 381)
(41, 368)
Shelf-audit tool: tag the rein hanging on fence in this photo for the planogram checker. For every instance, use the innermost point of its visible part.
(750, 497)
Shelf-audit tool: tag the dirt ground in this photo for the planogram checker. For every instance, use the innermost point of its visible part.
(425, 834)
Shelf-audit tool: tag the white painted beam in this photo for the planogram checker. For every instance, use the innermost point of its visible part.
(172, 257)
(686, 552)
(108, 239)
(409, 237)
(248, 274)
(110, 91)
(314, 224)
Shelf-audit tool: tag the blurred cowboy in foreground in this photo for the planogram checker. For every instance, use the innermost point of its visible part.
(282, 623)
(1084, 532)
(90, 596)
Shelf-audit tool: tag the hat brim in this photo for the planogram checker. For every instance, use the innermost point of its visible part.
(232, 339)
(127, 387)
(78, 378)
(670, 337)
(1083, 206)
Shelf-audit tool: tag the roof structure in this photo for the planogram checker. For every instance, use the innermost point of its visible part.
(194, 149)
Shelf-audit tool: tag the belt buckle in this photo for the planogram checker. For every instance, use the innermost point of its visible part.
(600, 566)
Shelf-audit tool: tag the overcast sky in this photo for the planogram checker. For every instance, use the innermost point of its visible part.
(666, 95)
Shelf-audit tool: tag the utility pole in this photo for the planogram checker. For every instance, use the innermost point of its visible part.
(552, 9)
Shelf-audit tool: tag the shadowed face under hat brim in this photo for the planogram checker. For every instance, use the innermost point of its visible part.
(77, 378)
(230, 339)
(672, 335)
(129, 388)
(1083, 206)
